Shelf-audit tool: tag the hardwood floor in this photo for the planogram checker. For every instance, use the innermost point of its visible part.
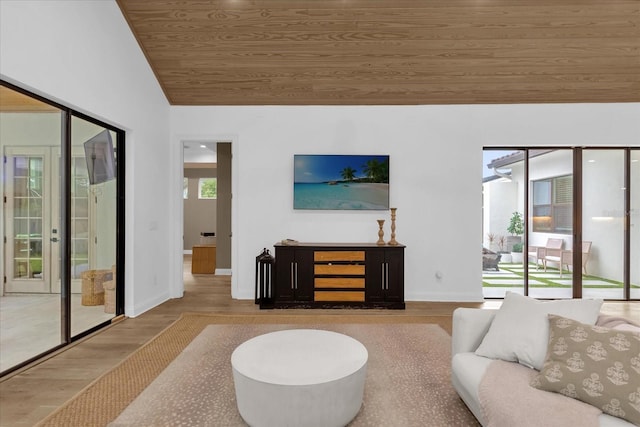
(31, 394)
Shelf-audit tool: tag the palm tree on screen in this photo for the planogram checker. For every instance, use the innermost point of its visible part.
(372, 169)
(377, 171)
(348, 173)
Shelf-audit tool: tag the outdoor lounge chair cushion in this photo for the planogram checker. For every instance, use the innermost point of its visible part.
(539, 252)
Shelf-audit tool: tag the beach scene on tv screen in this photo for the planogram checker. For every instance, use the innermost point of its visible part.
(341, 182)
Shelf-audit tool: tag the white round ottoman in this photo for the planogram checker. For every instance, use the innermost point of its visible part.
(299, 377)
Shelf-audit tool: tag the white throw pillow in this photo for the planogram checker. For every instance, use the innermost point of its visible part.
(520, 330)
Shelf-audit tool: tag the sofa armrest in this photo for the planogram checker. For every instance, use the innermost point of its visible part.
(469, 328)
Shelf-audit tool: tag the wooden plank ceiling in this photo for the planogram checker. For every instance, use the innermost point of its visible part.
(390, 52)
(16, 102)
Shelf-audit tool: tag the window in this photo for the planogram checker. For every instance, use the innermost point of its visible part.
(208, 188)
(185, 188)
(552, 204)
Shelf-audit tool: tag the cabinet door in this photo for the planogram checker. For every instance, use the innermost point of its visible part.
(294, 274)
(395, 275)
(304, 274)
(284, 269)
(374, 275)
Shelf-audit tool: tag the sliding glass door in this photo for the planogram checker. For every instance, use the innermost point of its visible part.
(603, 223)
(503, 200)
(30, 310)
(61, 221)
(580, 233)
(93, 224)
(550, 223)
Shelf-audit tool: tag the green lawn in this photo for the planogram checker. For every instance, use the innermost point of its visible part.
(512, 275)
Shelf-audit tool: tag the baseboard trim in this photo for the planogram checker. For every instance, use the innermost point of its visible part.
(136, 310)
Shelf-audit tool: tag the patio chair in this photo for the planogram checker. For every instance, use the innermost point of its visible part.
(563, 258)
(539, 252)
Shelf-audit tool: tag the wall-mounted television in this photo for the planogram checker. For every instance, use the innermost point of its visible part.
(341, 182)
(99, 153)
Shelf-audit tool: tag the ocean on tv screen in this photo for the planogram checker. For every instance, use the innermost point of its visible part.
(341, 196)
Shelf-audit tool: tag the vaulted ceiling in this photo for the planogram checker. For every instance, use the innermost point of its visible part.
(390, 52)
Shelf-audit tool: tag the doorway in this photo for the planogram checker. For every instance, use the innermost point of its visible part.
(207, 199)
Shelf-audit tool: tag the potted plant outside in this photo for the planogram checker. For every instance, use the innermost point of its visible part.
(506, 256)
(492, 239)
(516, 229)
(516, 253)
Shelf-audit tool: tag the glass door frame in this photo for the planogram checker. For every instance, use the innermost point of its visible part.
(627, 225)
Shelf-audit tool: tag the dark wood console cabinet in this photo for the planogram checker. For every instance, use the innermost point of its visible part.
(329, 275)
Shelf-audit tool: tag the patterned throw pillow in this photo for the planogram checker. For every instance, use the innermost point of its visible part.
(596, 365)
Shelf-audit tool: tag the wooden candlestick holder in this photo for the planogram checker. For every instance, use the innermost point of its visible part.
(380, 232)
(393, 241)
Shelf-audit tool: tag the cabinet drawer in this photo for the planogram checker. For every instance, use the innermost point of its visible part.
(339, 269)
(357, 296)
(339, 282)
(320, 256)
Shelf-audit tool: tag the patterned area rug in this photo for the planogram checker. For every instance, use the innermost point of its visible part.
(426, 385)
(407, 379)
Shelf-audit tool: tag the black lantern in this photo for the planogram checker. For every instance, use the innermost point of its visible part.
(264, 279)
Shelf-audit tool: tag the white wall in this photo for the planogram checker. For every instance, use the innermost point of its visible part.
(500, 202)
(556, 163)
(435, 167)
(83, 55)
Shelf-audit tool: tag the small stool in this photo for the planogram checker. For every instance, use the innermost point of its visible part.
(203, 259)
